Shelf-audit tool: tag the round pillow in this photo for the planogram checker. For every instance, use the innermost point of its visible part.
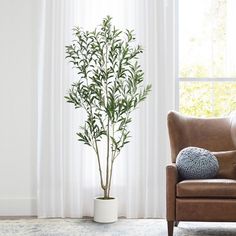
(196, 163)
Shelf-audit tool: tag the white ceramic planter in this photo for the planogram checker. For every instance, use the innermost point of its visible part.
(105, 211)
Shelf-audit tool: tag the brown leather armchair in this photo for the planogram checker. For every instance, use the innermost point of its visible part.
(209, 199)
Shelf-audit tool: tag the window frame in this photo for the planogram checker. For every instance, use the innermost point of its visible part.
(179, 79)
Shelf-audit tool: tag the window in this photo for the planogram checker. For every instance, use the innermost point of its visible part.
(207, 57)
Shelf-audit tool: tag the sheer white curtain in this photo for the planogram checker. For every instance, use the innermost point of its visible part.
(67, 170)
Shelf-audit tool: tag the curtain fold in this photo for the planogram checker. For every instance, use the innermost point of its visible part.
(67, 170)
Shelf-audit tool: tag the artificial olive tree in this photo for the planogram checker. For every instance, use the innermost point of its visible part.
(109, 88)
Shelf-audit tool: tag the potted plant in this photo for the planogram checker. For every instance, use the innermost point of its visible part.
(109, 88)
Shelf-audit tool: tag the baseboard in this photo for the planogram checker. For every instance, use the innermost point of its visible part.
(18, 207)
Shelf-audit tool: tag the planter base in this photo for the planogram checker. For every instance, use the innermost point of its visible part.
(105, 210)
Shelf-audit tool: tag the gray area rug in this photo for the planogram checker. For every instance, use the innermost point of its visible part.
(82, 227)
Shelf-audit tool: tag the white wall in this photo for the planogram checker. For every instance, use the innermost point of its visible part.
(18, 28)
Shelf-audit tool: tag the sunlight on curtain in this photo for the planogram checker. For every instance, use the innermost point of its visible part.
(67, 170)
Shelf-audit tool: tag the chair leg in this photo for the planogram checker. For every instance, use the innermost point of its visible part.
(170, 227)
(176, 223)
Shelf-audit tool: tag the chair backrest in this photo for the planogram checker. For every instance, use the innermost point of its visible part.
(214, 134)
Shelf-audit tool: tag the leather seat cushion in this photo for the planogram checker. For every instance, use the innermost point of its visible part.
(204, 188)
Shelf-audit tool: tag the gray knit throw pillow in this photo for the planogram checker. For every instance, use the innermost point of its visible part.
(196, 163)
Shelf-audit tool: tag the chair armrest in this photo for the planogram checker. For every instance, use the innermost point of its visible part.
(171, 181)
